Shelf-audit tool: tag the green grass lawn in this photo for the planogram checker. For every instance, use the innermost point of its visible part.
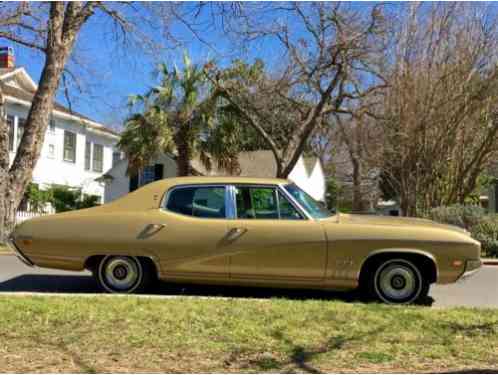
(4, 249)
(129, 334)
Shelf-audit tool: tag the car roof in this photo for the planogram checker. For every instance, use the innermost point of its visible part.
(170, 182)
(149, 196)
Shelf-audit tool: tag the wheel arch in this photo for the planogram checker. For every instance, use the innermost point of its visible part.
(93, 260)
(431, 270)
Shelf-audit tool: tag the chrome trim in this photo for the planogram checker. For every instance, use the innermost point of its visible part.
(230, 205)
(230, 201)
(471, 268)
(11, 245)
(400, 251)
(295, 203)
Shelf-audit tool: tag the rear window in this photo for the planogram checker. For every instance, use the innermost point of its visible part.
(202, 201)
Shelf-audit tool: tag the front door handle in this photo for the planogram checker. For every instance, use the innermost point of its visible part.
(150, 230)
(235, 233)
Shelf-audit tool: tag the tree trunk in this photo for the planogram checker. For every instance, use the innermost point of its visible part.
(357, 194)
(184, 152)
(4, 164)
(17, 178)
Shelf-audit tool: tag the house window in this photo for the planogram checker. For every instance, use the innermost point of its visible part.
(20, 130)
(147, 175)
(88, 154)
(10, 124)
(51, 125)
(98, 158)
(69, 146)
(51, 151)
(116, 156)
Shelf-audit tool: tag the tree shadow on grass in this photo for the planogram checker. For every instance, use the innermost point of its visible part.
(472, 371)
(301, 357)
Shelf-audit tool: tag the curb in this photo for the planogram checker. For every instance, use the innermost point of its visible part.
(490, 262)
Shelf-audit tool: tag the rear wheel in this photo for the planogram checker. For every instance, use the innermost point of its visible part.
(397, 281)
(123, 274)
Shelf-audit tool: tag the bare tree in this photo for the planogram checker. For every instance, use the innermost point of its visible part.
(439, 120)
(328, 51)
(361, 138)
(52, 30)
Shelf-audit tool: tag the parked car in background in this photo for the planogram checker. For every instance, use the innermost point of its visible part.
(246, 231)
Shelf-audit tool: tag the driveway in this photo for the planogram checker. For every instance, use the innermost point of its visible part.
(480, 290)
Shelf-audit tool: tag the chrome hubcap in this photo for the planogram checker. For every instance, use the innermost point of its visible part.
(121, 273)
(397, 282)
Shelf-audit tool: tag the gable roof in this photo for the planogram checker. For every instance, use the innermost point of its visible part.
(309, 164)
(253, 164)
(22, 75)
(25, 96)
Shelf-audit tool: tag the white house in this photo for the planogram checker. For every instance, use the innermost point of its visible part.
(307, 174)
(76, 149)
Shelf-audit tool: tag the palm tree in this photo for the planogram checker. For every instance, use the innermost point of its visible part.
(179, 115)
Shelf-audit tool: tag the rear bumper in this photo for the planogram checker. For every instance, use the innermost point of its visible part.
(471, 268)
(11, 245)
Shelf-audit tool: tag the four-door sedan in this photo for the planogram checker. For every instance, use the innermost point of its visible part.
(246, 231)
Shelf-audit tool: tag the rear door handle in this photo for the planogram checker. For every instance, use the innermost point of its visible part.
(235, 233)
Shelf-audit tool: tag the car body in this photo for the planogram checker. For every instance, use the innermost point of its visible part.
(246, 231)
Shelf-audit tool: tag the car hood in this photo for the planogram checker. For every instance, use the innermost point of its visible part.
(394, 221)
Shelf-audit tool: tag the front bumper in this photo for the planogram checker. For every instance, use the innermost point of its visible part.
(12, 245)
(471, 268)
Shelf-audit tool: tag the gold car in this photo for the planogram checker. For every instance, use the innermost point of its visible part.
(246, 231)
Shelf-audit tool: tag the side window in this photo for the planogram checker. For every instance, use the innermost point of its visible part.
(205, 202)
(286, 209)
(256, 202)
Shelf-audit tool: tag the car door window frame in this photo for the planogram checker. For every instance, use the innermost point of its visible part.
(277, 188)
(228, 205)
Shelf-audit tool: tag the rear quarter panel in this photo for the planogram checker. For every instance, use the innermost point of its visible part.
(66, 241)
(349, 245)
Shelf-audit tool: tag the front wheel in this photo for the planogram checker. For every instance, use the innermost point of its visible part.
(398, 281)
(122, 274)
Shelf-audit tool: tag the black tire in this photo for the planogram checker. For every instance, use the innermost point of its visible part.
(124, 274)
(396, 281)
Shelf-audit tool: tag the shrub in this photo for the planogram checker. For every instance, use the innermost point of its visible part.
(486, 232)
(65, 198)
(464, 216)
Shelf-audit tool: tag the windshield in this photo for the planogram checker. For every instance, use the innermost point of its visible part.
(316, 209)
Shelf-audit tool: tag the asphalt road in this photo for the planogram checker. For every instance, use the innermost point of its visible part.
(481, 290)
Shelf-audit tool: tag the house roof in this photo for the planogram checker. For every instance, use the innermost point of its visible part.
(259, 164)
(27, 96)
(6, 70)
(309, 164)
(252, 164)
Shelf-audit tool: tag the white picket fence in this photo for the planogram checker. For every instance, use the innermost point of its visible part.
(25, 215)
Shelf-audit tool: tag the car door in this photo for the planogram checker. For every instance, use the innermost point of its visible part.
(194, 224)
(272, 239)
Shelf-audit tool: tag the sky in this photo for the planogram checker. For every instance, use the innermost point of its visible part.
(111, 72)
(108, 71)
